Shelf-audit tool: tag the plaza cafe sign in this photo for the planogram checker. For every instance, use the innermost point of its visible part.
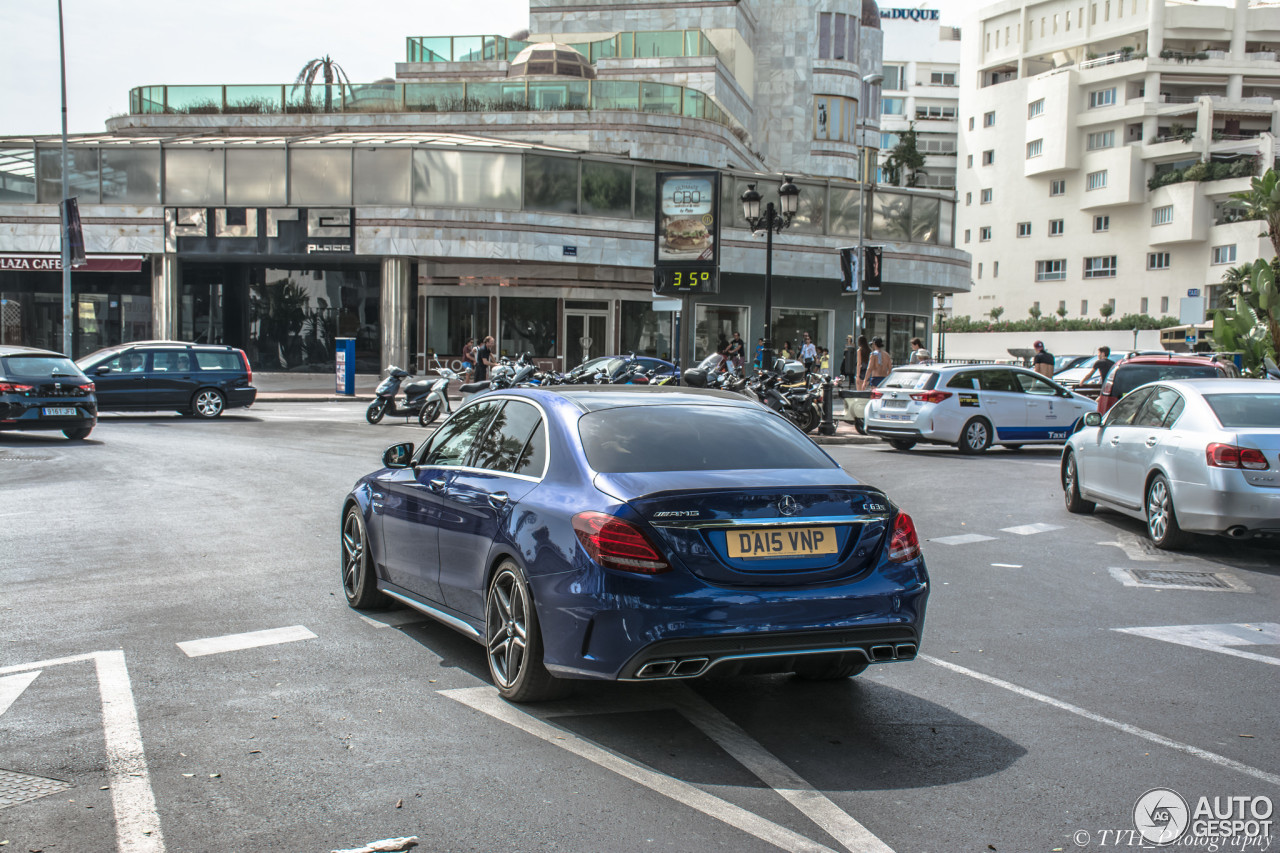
(53, 263)
(910, 14)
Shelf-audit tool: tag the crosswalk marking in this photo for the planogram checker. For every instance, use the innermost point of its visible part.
(963, 539)
(250, 640)
(1222, 639)
(11, 687)
(1031, 529)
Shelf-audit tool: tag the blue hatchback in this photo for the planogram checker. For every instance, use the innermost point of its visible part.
(637, 534)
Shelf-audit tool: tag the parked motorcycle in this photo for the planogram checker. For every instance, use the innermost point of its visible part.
(787, 391)
(438, 397)
(506, 374)
(415, 395)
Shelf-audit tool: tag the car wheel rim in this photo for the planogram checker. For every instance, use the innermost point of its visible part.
(208, 403)
(352, 555)
(506, 623)
(1158, 510)
(977, 436)
(1069, 481)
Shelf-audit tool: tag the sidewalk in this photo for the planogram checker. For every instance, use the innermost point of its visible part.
(322, 388)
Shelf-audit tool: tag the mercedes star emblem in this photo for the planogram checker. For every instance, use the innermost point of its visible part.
(788, 505)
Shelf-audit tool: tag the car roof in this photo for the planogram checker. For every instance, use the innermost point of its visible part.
(1169, 358)
(590, 398)
(14, 349)
(1220, 386)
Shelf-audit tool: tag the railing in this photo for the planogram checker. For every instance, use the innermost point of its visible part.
(629, 45)
(1262, 56)
(513, 95)
(1166, 98)
(1109, 59)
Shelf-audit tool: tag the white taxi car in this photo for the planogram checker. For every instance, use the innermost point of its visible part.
(973, 406)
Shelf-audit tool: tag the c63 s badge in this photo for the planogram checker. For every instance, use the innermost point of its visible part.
(969, 401)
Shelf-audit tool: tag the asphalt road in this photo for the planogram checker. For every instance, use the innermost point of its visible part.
(1031, 716)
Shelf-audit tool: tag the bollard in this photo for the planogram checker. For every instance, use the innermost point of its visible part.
(828, 426)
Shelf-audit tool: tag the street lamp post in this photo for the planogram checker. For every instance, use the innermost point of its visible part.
(941, 301)
(863, 178)
(67, 325)
(772, 220)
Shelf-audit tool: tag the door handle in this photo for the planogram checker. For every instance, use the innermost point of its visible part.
(437, 486)
(1115, 440)
(1151, 440)
(498, 500)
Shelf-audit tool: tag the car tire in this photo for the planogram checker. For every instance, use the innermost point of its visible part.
(1162, 518)
(810, 417)
(429, 412)
(901, 443)
(859, 426)
(208, 403)
(975, 438)
(835, 670)
(78, 434)
(1071, 489)
(376, 410)
(359, 584)
(513, 640)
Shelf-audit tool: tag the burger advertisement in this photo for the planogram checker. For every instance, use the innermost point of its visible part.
(686, 256)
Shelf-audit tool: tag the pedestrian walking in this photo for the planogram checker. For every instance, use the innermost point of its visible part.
(920, 355)
(785, 352)
(468, 358)
(759, 353)
(1102, 366)
(808, 353)
(735, 350)
(1042, 361)
(881, 363)
(863, 362)
(485, 359)
(849, 363)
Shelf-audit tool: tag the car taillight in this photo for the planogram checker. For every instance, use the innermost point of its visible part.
(876, 393)
(617, 544)
(247, 369)
(930, 396)
(904, 544)
(1218, 455)
(88, 388)
(14, 388)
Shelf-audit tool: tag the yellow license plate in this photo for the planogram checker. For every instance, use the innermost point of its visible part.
(781, 542)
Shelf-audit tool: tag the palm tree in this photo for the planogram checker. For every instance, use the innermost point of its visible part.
(332, 72)
(1235, 279)
(1262, 201)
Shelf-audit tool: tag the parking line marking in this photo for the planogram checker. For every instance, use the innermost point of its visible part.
(249, 640)
(1197, 752)
(1031, 529)
(1007, 565)
(771, 770)
(487, 701)
(11, 688)
(962, 539)
(1211, 638)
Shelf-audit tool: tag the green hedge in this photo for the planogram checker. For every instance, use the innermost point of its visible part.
(1214, 171)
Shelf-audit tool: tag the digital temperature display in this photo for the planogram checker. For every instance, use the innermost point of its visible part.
(686, 256)
(673, 280)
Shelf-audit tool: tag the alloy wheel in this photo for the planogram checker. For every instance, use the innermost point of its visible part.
(976, 435)
(208, 403)
(352, 555)
(1158, 509)
(507, 622)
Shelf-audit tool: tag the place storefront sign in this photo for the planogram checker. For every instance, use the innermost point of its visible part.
(686, 239)
(53, 263)
(305, 231)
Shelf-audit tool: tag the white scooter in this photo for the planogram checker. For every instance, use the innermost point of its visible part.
(438, 397)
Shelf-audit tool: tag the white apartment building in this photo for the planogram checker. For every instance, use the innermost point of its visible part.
(921, 85)
(1099, 142)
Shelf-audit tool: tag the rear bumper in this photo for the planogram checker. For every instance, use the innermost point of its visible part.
(29, 414)
(1205, 509)
(241, 397)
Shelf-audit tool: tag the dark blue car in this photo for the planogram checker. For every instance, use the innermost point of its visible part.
(636, 533)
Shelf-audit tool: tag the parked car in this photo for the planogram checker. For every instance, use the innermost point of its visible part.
(972, 406)
(1066, 362)
(1138, 370)
(194, 379)
(1070, 376)
(40, 389)
(1186, 456)
(636, 534)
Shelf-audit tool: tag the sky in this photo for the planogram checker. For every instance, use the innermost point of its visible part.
(115, 45)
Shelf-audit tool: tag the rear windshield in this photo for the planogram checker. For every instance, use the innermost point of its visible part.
(218, 360)
(916, 380)
(38, 367)
(636, 439)
(1246, 411)
(1130, 376)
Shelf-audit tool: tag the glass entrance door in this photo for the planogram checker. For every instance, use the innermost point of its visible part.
(586, 337)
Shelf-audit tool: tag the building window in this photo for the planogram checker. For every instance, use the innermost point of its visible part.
(968, 199)
(1164, 305)
(1142, 305)
(986, 199)
(942, 78)
(979, 269)
(968, 161)
(1062, 307)
(971, 122)
(1102, 98)
(888, 140)
(1035, 109)
(1051, 270)
(984, 233)
(1035, 148)
(1084, 307)
(1224, 254)
(989, 119)
(1162, 215)
(988, 157)
(834, 117)
(1096, 180)
(1056, 228)
(892, 106)
(892, 78)
(966, 235)
(935, 112)
(1057, 188)
(1024, 229)
(1100, 267)
(1102, 139)
(1157, 261)
(1101, 223)
(995, 269)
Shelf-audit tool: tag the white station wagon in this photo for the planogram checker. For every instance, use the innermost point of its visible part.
(972, 406)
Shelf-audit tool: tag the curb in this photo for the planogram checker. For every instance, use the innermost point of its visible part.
(309, 398)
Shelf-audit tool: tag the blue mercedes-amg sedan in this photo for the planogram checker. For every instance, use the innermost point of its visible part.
(637, 534)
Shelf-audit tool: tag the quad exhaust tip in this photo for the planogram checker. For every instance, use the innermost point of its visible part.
(693, 667)
(881, 653)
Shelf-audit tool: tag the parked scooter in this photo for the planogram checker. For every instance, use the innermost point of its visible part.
(415, 395)
(438, 397)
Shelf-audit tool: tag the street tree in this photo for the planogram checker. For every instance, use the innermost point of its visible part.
(905, 160)
(1061, 312)
(995, 313)
(329, 71)
(1106, 310)
(1251, 326)
(1034, 312)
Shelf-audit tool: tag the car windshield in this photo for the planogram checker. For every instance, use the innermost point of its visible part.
(633, 439)
(1246, 411)
(1133, 375)
(38, 367)
(93, 358)
(915, 380)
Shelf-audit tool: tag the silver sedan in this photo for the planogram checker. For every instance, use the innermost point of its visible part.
(1189, 456)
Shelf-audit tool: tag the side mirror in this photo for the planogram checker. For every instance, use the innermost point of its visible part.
(398, 455)
(1092, 419)
(101, 370)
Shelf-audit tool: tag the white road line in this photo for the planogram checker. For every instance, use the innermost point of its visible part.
(487, 701)
(250, 640)
(1212, 757)
(44, 664)
(11, 688)
(963, 539)
(137, 822)
(773, 772)
(1031, 529)
(1212, 638)
(1007, 565)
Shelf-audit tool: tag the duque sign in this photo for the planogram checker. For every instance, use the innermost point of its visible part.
(910, 14)
(307, 231)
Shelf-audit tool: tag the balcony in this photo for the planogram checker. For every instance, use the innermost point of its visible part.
(630, 45)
